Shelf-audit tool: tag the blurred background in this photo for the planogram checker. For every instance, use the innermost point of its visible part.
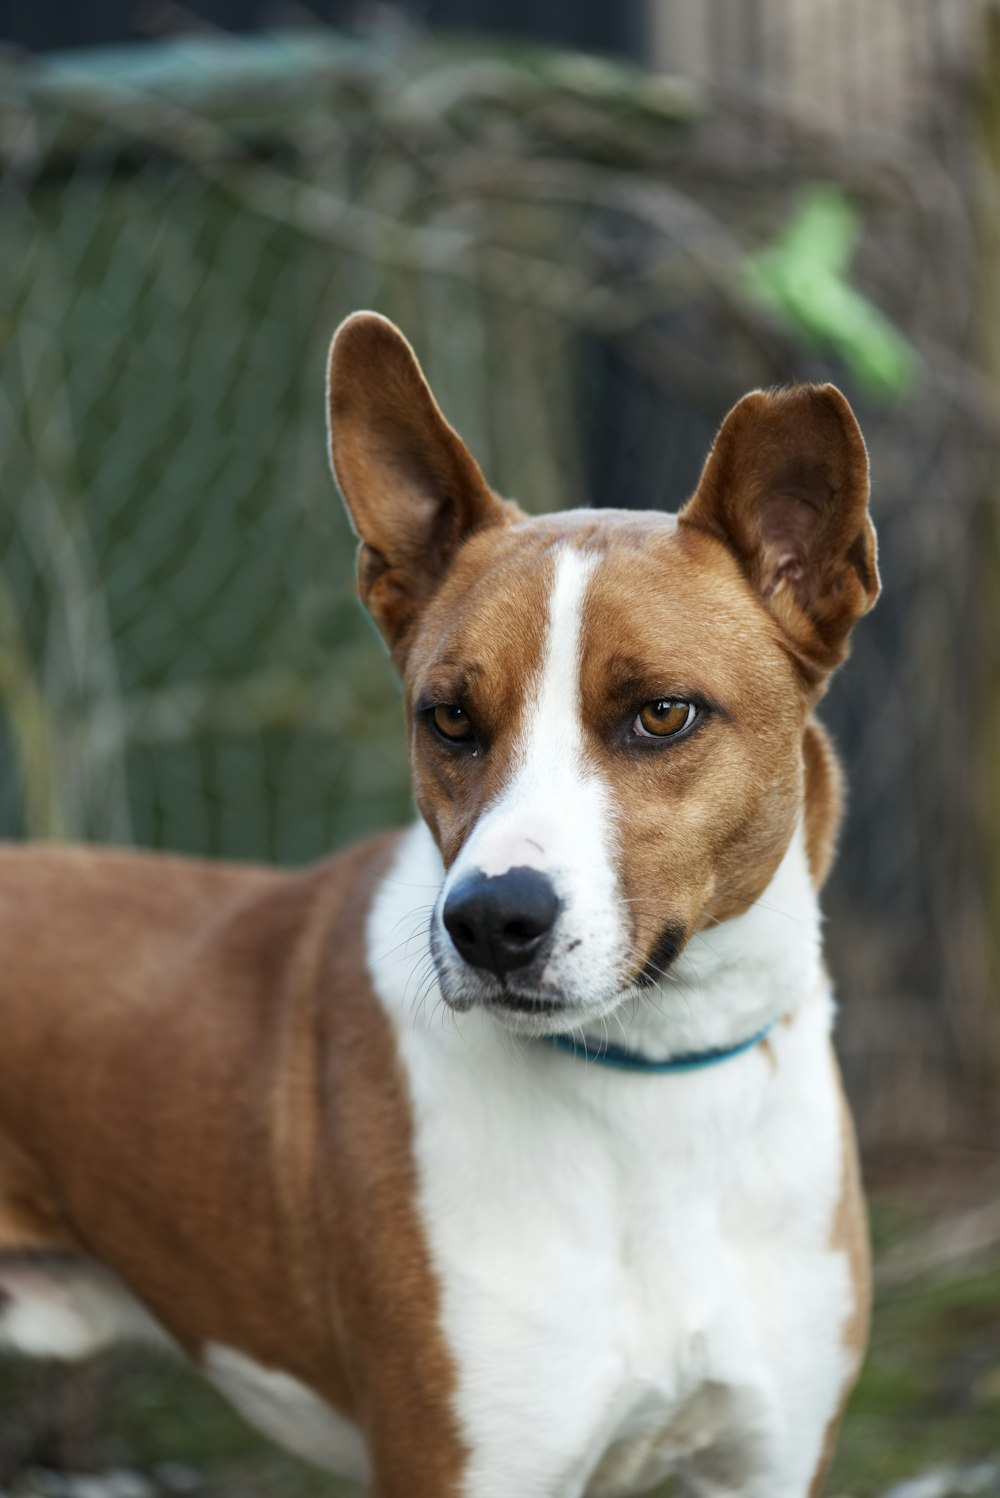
(599, 225)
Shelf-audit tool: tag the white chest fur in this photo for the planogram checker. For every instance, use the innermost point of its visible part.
(636, 1270)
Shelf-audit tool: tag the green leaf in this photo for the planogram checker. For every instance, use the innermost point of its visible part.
(802, 280)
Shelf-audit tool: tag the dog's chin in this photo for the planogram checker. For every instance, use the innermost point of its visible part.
(531, 1014)
(521, 1010)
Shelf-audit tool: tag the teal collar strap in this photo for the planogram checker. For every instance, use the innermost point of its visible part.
(624, 1060)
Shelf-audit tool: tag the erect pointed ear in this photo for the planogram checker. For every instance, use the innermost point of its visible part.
(413, 490)
(785, 488)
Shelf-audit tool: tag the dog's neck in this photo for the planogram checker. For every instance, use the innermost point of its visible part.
(731, 981)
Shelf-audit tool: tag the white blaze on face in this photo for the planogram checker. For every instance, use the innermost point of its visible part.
(556, 814)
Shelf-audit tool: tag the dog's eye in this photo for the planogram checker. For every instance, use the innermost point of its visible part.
(452, 722)
(664, 719)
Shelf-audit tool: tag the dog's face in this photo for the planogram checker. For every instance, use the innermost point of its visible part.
(607, 710)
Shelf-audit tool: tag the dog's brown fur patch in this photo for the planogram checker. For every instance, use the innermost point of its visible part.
(216, 1113)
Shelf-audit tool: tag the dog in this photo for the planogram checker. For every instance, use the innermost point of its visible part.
(505, 1157)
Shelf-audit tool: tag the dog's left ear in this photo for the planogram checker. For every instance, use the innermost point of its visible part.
(413, 490)
(785, 488)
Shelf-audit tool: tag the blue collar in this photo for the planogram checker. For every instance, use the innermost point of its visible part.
(624, 1060)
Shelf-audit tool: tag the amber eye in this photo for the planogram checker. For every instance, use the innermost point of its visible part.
(664, 719)
(452, 722)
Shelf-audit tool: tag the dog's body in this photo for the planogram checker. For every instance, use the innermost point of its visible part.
(415, 1241)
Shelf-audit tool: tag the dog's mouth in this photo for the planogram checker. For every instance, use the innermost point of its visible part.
(527, 1003)
(524, 1009)
(473, 992)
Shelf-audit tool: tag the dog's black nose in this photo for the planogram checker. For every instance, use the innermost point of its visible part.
(501, 922)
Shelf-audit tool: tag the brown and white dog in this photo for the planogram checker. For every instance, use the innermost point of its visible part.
(309, 1128)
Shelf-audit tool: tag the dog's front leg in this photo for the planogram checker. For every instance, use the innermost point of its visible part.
(410, 1478)
(416, 1454)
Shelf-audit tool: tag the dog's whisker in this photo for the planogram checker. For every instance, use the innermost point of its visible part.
(423, 972)
(787, 914)
(406, 883)
(402, 947)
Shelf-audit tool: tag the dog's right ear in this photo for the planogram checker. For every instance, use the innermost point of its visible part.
(412, 488)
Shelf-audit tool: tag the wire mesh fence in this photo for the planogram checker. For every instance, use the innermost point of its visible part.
(593, 263)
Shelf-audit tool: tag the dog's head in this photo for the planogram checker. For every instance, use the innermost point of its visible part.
(609, 712)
